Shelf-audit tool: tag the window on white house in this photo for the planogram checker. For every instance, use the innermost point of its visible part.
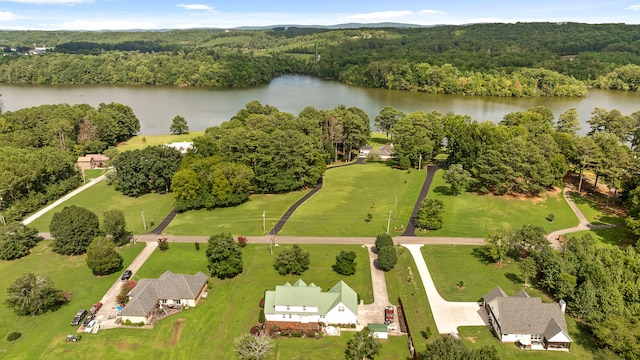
(288, 307)
(289, 316)
(341, 308)
(178, 302)
(164, 301)
(284, 316)
(304, 308)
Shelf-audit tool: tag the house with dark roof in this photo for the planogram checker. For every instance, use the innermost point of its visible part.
(169, 290)
(529, 321)
(308, 304)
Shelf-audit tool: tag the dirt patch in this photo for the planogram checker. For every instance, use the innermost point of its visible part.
(470, 339)
(123, 345)
(177, 331)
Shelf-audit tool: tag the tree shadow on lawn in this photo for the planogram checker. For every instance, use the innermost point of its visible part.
(480, 254)
(442, 190)
(513, 278)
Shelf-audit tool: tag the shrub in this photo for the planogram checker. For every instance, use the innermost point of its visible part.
(387, 258)
(383, 240)
(13, 336)
(404, 163)
(345, 263)
(293, 260)
(242, 241)
(550, 217)
(197, 245)
(163, 245)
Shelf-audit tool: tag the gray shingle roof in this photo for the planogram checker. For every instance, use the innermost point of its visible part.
(145, 296)
(494, 293)
(521, 293)
(522, 314)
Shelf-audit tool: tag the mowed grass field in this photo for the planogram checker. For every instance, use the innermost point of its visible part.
(245, 219)
(142, 141)
(349, 193)
(230, 310)
(68, 273)
(101, 197)
(594, 210)
(473, 215)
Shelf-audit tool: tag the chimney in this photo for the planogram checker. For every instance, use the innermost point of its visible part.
(563, 305)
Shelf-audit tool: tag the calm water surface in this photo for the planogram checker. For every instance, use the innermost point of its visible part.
(204, 107)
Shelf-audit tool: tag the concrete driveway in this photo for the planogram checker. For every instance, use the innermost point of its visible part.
(107, 314)
(374, 313)
(447, 315)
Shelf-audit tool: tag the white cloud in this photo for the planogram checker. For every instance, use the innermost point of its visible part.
(6, 15)
(430, 12)
(381, 15)
(195, 7)
(490, 20)
(51, 2)
(105, 25)
(633, 7)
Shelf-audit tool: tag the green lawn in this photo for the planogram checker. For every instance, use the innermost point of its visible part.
(142, 141)
(101, 197)
(473, 215)
(594, 211)
(479, 276)
(93, 173)
(245, 219)
(404, 281)
(349, 193)
(229, 311)
(69, 273)
(619, 236)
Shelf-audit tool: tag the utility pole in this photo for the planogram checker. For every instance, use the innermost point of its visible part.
(420, 162)
(143, 222)
(395, 216)
(84, 178)
(264, 223)
(389, 221)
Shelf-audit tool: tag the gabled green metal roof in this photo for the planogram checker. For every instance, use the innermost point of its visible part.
(300, 294)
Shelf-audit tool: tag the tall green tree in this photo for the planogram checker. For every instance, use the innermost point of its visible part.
(33, 294)
(16, 240)
(387, 119)
(568, 122)
(73, 229)
(179, 126)
(387, 258)
(291, 260)
(497, 245)
(383, 240)
(418, 136)
(224, 256)
(102, 257)
(430, 214)
(528, 269)
(457, 177)
(362, 346)
(114, 225)
(139, 172)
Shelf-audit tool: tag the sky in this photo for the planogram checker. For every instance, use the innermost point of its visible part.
(180, 14)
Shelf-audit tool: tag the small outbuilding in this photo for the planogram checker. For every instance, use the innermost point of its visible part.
(85, 162)
(379, 331)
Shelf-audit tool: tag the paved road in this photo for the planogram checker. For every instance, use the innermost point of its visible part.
(109, 299)
(447, 315)
(411, 225)
(68, 196)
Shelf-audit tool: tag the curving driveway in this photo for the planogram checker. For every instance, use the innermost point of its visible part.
(447, 315)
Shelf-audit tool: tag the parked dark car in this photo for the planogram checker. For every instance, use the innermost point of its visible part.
(95, 307)
(126, 275)
(88, 319)
(78, 318)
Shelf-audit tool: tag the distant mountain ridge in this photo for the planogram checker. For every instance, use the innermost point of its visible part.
(339, 26)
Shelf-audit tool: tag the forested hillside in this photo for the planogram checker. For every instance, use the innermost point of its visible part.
(523, 59)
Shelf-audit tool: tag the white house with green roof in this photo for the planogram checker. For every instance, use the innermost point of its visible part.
(302, 303)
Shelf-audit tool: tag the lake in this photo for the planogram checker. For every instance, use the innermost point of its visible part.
(204, 107)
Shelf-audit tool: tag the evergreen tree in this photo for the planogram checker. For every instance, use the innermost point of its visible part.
(102, 257)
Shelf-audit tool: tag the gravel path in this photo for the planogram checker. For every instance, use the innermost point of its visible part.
(68, 196)
(583, 222)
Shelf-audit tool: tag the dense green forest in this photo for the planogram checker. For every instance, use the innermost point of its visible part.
(39, 147)
(522, 59)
